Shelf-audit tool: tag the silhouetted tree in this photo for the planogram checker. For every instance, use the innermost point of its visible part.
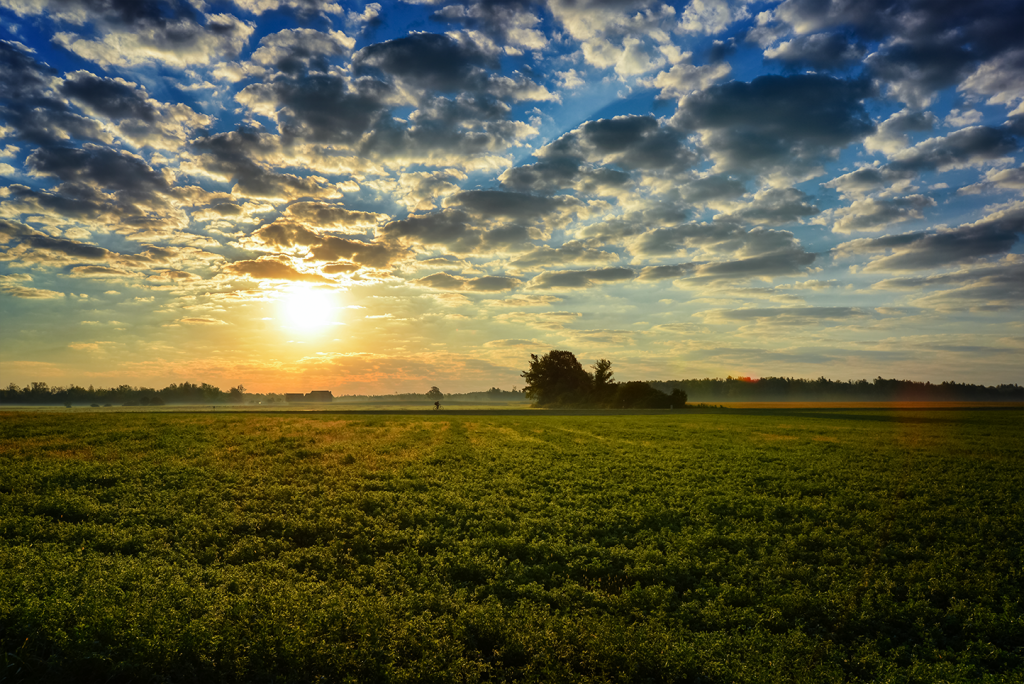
(640, 395)
(557, 379)
(435, 394)
(604, 388)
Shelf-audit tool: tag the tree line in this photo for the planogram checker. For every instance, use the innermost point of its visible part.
(557, 379)
(126, 395)
(823, 389)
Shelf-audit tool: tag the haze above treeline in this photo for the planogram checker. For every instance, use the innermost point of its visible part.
(698, 390)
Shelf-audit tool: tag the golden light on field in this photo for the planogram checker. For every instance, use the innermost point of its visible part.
(308, 309)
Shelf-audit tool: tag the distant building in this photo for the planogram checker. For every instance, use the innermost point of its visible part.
(324, 396)
(320, 395)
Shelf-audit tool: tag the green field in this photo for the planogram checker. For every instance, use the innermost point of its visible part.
(730, 546)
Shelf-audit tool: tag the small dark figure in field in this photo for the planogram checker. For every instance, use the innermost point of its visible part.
(437, 405)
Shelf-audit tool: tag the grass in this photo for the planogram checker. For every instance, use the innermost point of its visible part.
(789, 545)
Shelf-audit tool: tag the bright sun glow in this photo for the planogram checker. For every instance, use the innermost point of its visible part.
(308, 309)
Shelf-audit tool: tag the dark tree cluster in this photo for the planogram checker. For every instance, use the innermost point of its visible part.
(39, 393)
(823, 389)
(557, 379)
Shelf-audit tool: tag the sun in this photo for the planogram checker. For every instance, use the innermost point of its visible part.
(308, 309)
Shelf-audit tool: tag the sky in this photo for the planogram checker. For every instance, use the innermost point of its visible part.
(382, 197)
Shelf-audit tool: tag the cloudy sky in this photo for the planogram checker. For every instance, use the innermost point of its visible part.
(379, 197)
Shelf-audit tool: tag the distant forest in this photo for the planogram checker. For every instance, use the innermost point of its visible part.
(823, 389)
(699, 391)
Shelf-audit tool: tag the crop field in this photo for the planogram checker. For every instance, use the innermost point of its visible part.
(796, 545)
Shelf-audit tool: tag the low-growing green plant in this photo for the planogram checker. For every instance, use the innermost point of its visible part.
(795, 545)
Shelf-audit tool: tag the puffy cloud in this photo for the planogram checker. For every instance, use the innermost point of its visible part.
(31, 105)
(427, 61)
(717, 239)
(114, 98)
(711, 16)
(200, 320)
(665, 271)
(958, 119)
(452, 135)
(925, 46)
(532, 343)
(623, 35)
(421, 190)
(291, 237)
(630, 142)
(268, 268)
(511, 205)
(293, 51)
(789, 261)
(179, 43)
(22, 292)
(327, 216)
(580, 279)
(914, 72)
(446, 281)
(1001, 79)
(126, 175)
(968, 147)
(100, 272)
(300, 7)
(320, 107)
(789, 123)
(821, 52)
(877, 214)
(450, 228)
(618, 228)
(684, 78)
(369, 254)
(544, 320)
(1008, 272)
(797, 315)
(569, 253)
(993, 236)
(773, 207)
(508, 23)
(71, 201)
(711, 190)
(29, 238)
(996, 180)
(912, 21)
(551, 175)
(989, 288)
(139, 118)
(520, 301)
(235, 156)
(891, 136)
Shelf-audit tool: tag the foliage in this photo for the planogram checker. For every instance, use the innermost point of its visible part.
(772, 389)
(557, 379)
(603, 392)
(642, 396)
(801, 546)
(435, 394)
(39, 393)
